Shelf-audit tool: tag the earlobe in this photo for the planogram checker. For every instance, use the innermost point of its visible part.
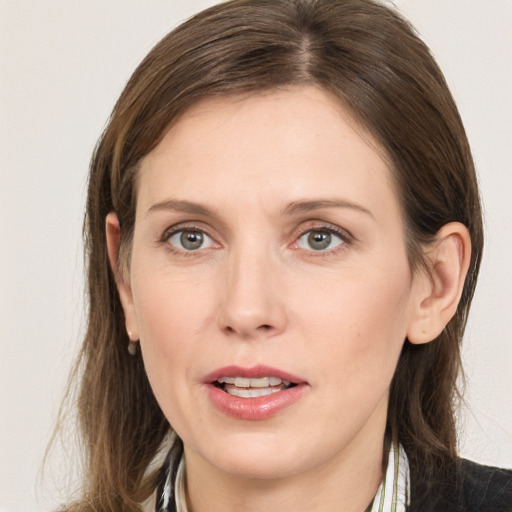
(439, 291)
(113, 235)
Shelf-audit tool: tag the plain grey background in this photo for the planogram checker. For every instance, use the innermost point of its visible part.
(62, 64)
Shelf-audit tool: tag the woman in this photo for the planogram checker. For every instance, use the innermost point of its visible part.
(284, 235)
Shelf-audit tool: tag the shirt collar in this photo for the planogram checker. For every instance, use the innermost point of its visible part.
(393, 494)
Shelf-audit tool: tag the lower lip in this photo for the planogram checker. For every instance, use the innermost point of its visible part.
(260, 408)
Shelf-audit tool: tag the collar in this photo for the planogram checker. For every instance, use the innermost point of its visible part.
(393, 494)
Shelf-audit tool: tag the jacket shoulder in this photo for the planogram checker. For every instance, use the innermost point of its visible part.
(485, 488)
(472, 488)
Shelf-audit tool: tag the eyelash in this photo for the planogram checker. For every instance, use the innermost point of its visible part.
(345, 237)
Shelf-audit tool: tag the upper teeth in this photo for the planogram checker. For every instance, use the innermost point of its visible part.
(263, 382)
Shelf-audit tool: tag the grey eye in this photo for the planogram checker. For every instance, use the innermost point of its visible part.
(190, 240)
(319, 240)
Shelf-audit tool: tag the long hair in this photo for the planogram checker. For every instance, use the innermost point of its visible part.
(370, 59)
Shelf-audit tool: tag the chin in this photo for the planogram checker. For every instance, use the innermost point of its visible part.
(250, 455)
(258, 466)
(263, 455)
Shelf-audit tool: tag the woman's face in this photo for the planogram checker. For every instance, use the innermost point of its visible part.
(269, 283)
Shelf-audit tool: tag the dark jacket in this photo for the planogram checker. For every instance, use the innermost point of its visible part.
(476, 488)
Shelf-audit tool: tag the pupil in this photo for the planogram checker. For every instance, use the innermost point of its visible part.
(319, 240)
(191, 240)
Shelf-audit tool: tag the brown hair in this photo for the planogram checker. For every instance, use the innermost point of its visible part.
(369, 58)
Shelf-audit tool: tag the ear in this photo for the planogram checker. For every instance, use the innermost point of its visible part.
(113, 232)
(439, 291)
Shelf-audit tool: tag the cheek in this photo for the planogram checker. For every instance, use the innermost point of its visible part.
(170, 304)
(170, 316)
(359, 320)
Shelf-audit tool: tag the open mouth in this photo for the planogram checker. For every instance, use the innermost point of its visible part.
(253, 393)
(244, 387)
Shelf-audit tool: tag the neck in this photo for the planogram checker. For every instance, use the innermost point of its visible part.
(348, 481)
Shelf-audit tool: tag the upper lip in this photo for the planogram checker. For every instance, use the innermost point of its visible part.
(253, 372)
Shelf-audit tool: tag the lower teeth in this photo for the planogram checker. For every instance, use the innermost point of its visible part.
(251, 392)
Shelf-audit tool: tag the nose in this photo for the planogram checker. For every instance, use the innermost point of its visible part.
(253, 304)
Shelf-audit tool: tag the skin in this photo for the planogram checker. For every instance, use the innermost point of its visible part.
(257, 292)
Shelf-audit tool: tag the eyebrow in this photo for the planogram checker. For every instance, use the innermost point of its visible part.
(177, 205)
(298, 207)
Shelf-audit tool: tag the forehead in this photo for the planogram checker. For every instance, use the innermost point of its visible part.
(281, 144)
